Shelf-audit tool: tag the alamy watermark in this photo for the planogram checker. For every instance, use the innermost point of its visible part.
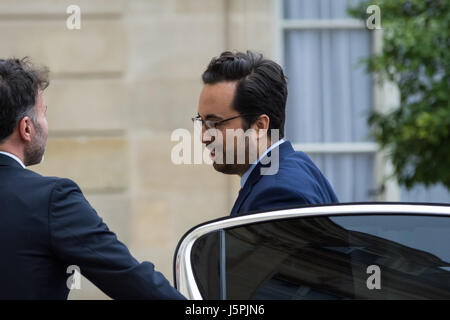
(234, 146)
(374, 280)
(373, 22)
(73, 22)
(74, 281)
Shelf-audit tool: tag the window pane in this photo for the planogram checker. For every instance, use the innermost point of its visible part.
(436, 193)
(351, 175)
(330, 94)
(317, 9)
(328, 258)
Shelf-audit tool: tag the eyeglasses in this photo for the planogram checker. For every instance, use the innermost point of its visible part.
(210, 124)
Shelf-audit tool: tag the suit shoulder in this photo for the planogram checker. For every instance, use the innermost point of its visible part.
(281, 182)
(49, 181)
(64, 182)
(300, 164)
(296, 174)
(64, 186)
(298, 157)
(292, 168)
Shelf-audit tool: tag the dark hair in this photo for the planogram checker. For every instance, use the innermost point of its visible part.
(261, 87)
(19, 85)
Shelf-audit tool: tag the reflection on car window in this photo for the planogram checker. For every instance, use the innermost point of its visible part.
(404, 231)
(205, 261)
(328, 258)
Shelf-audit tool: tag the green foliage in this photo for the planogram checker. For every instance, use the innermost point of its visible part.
(416, 57)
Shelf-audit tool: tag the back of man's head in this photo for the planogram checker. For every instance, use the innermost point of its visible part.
(20, 82)
(261, 87)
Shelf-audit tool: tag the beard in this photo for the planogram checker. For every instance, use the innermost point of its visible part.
(34, 152)
(238, 164)
(230, 168)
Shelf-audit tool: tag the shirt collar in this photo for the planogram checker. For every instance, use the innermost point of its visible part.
(14, 157)
(247, 173)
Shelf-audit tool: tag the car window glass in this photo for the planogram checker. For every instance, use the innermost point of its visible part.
(345, 257)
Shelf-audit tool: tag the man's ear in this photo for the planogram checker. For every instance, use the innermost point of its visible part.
(25, 127)
(261, 125)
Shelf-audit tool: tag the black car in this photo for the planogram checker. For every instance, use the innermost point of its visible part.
(345, 251)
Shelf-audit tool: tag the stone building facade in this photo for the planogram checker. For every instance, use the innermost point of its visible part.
(119, 87)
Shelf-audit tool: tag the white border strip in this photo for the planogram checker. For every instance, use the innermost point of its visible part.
(311, 24)
(367, 147)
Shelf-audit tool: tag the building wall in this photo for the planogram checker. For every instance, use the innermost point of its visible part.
(119, 86)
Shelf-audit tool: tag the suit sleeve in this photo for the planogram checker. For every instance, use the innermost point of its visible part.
(79, 237)
(276, 197)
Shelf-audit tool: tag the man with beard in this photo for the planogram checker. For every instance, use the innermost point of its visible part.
(46, 225)
(242, 113)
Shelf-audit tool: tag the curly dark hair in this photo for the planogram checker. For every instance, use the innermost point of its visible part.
(261, 87)
(20, 82)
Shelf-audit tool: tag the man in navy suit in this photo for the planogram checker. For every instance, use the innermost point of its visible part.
(242, 114)
(47, 228)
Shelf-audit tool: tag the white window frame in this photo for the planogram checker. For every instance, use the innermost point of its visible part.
(385, 97)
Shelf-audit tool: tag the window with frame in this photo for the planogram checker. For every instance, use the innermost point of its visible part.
(330, 96)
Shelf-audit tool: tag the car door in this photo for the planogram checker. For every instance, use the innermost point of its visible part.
(347, 251)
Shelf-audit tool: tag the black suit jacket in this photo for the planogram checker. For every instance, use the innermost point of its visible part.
(46, 225)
